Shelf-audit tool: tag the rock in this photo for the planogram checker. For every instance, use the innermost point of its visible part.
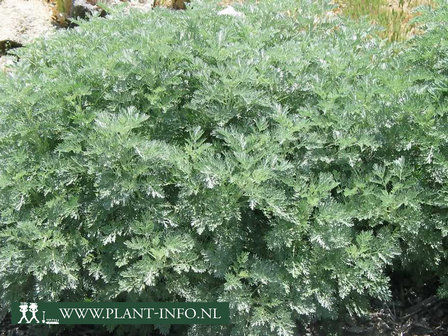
(6, 45)
(230, 11)
(173, 4)
(81, 9)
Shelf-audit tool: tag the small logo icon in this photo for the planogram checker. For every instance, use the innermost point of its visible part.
(24, 308)
(33, 309)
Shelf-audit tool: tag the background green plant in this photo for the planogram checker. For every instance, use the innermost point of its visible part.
(395, 16)
(285, 163)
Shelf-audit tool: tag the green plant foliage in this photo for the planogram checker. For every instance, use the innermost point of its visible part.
(284, 161)
(428, 61)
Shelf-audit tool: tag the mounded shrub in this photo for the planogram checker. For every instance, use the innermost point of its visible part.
(287, 162)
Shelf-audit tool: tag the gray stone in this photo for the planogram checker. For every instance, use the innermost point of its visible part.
(81, 9)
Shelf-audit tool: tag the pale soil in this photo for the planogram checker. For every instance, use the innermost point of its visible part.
(24, 20)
